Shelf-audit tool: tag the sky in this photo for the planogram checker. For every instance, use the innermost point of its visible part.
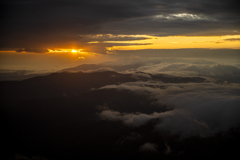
(57, 34)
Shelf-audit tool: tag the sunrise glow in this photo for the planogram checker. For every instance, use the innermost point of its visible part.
(62, 50)
(177, 42)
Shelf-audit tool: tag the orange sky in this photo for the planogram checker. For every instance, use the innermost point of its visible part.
(177, 42)
(154, 42)
(67, 57)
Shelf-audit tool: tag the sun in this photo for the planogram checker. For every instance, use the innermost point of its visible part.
(74, 51)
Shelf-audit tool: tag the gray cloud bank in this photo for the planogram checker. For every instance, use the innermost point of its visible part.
(35, 50)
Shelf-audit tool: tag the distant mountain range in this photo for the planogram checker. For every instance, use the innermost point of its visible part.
(67, 83)
(102, 67)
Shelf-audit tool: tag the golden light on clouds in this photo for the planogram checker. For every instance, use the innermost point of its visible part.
(177, 42)
(74, 51)
(76, 54)
(58, 50)
(81, 57)
(108, 43)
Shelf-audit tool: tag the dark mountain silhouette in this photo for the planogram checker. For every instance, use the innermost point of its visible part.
(68, 83)
(70, 128)
(18, 76)
(57, 117)
(59, 84)
(92, 67)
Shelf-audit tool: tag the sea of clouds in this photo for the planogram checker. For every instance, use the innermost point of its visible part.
(195, 109)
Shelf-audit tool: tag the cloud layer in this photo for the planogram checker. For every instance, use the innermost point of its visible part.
(195, 109)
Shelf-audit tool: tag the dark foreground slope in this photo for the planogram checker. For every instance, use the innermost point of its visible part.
(58, 117)
(59, 85)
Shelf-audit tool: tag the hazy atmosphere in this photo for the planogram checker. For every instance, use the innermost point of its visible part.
(144, 79)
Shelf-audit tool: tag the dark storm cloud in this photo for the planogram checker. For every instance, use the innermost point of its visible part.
(35, 50)
(101, 47)
(109, 37)
(179, 23)
(46, 24)
(232, 39)
(43, 22)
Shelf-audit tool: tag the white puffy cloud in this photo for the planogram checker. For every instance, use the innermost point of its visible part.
(184, 16)
(148, 147)
(135, 120)
(198, 109)
(176, 121)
